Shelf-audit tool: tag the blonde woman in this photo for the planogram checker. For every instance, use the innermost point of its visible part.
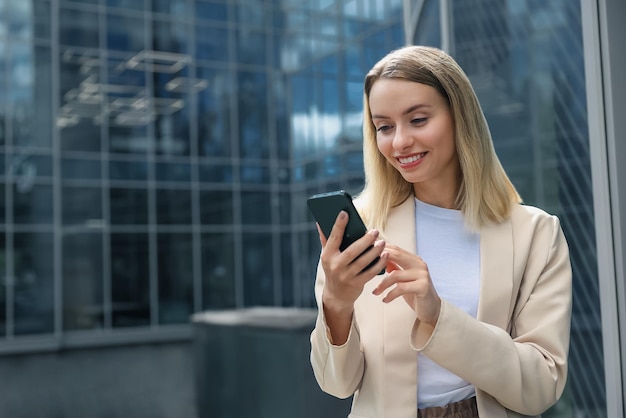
(472, 317)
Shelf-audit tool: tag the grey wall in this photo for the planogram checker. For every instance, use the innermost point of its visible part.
(154, 381)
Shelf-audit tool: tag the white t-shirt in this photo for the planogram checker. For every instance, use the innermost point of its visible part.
(453, 258)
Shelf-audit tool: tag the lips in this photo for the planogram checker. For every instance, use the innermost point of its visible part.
(410, 159)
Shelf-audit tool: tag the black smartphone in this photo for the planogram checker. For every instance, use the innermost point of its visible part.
(325, 208)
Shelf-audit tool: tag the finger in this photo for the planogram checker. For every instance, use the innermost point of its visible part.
(396, 277)
(361, 262)
(322, 237)
(336, 234)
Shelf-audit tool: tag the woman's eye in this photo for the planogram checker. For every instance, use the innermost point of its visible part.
(417, 121)
(383, 128)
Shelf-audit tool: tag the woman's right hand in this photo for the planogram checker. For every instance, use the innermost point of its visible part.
(346, 274)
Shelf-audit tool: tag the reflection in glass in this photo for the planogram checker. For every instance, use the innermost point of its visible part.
(175, 278)
(30, 95)
(34, 283)
(33, 204)
(214, 112)
(173, 207)
(82, 281)
(3, 279)
(82, 206)
(218, 271)
(254, 173)
(128, 170)
(75, 168)
(130, 280)
(216, 207)
(256, 208)
(210, 11)
(125, 33)
(78, 28)
(253, 116)
(286, 269)
(128, 206)
(172, 113)
(173, 172)
(258, 269)
(215, 173)
(171, 36)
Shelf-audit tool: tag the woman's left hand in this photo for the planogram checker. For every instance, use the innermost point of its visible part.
(409, 273)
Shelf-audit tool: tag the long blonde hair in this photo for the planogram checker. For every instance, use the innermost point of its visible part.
(486, 194)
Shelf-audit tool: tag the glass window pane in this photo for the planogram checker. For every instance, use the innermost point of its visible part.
(256, 208)
(286, 266)
(210, 11)
(218, 271)
(215, 173)
(125, 4)
(78, 28)
(253, 117)
(125, 33)
(255, 173)
(258, 269)
(212, 43)
(130, 280)
(82, 281)
(74, 168)
(214, 113)
(171, 36)
(128, 206)
(82, 206)
(34, 283)
(3, 207)
(128, 170)
(173, 172)
(172, 113)
(173, 207)
(81, 107)
(175, 278)
(216, 207)
(33, 204)
(30, 95)
(3, 282)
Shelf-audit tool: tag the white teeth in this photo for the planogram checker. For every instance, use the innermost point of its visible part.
(413, 158)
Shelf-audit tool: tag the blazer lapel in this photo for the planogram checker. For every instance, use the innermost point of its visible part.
(496, 274)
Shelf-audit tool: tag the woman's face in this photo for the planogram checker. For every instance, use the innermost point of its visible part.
(415, 133)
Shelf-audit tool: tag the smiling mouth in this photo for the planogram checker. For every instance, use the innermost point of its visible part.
(411, 159)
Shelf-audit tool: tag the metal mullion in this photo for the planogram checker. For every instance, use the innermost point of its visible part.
(9, 254)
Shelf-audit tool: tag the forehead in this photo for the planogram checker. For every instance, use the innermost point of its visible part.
(397, 94)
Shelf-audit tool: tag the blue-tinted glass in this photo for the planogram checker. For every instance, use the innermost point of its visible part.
(256, 208)
(218, 271)
(125, 33)
(177, 9)
(3, 208)
(172, 134)
(128, 206)
(30, 95)
(83, 303)
(284, 208)
(171, 36)
(26, 167)
(78, 28)
(173, 207)
(20, 19)
(130, 280)
(205, 10)
(258, 269)
(251, 173)
(33, 204)
(286, 267)
(175, 267)
(251, 46)
(215, 172)
(254, 139)
(42, 19)
(4, 279)
(173, 172)
(216, 207)
(125, 4)
(212, 44)
(76, 210)
(34, 283)
(428, 29)
(214, 113)
(4, 102)
(72, 168)
(128, 170)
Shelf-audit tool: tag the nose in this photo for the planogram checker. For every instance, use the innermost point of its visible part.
(403, 139)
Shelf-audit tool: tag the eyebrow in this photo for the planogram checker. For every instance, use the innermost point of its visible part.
(406, 112)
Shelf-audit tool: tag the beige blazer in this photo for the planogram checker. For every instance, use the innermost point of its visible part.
(515, 352)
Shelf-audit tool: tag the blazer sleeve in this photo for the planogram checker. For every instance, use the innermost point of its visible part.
(526, 370)
(337, 369)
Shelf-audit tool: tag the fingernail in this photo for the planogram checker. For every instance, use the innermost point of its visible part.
(379, 243)
(374, 232)
(342, 215)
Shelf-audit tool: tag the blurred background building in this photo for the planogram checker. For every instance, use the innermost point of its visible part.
(156, 155)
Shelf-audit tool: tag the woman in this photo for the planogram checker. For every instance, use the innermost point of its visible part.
(473, 315)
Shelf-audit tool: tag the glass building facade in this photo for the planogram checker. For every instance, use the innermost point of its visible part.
(156, 155)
